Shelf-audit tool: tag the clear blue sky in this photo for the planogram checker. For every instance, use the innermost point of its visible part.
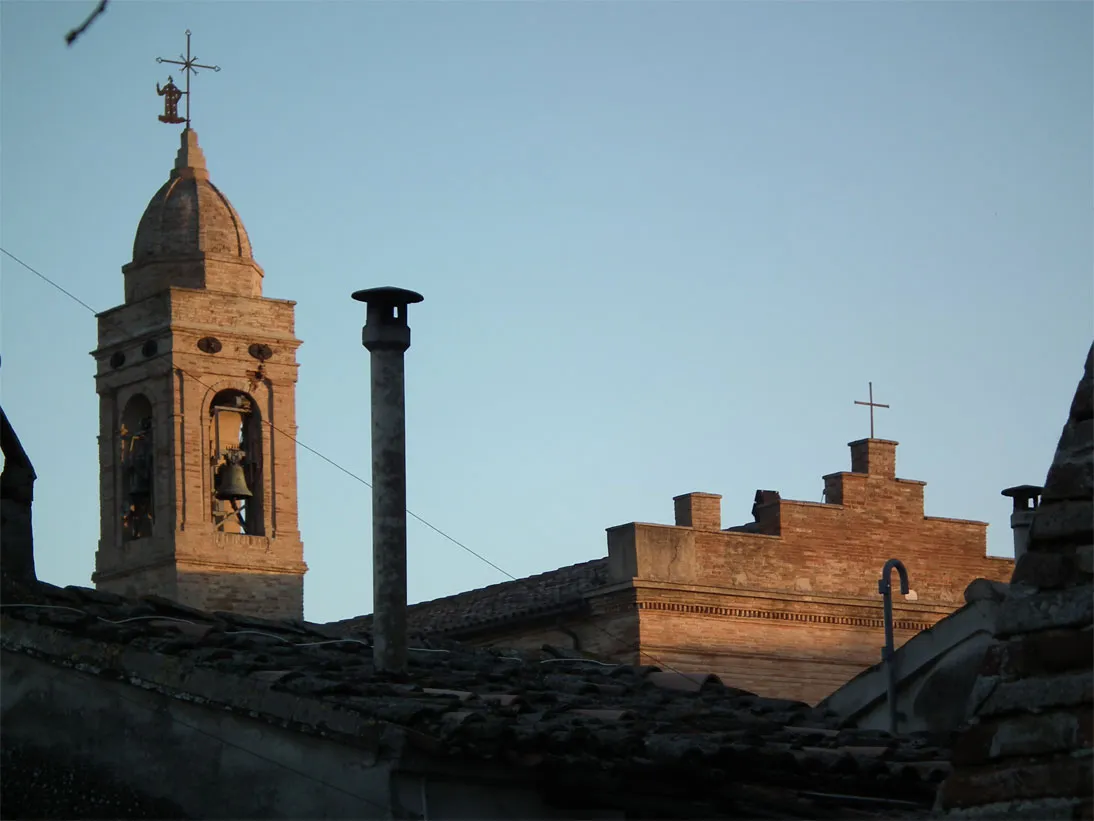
(663, 247)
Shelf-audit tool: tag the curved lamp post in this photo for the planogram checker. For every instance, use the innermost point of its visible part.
(884, 587)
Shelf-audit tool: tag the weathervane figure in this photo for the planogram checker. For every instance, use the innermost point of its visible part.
(173, 94)
(190, 65)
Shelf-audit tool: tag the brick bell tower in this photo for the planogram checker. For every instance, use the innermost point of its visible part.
(196, 376)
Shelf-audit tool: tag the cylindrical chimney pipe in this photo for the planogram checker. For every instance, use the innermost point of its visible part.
(386, 335)
(1027, 499)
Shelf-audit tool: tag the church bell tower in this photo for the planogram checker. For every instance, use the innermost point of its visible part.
(196, 376)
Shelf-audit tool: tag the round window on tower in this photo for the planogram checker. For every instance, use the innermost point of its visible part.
(149, 348)
(260, 351)
(209, 344)
(117, 360)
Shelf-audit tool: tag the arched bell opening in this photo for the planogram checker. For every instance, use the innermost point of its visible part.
(137, 460)
(235, 445)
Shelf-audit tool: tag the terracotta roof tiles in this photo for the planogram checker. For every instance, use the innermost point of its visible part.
(635, 739)
(555, 591)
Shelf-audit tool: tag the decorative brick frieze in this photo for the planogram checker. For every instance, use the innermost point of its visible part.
(779, 615)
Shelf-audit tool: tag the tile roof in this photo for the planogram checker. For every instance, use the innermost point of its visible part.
(556, 591)
(643, 740)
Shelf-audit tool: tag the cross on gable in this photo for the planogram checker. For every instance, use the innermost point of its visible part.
(871, 404)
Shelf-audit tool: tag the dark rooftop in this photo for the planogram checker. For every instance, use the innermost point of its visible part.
(653, 743)
(554, 592)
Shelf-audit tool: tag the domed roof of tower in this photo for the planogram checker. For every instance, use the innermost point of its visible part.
(190, 235)
(189, 214)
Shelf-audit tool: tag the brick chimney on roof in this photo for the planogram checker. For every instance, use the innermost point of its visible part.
(701, 511)
(876, 457)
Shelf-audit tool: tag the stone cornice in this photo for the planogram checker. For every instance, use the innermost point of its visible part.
(926, 609)
(196, 329)
(182, 561)
(186, 562)
(783, 615)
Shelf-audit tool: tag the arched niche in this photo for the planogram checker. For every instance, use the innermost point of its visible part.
(137, 459)
(235, 445)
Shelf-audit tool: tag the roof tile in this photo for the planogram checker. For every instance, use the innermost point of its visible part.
(614, 736)
(543, 593)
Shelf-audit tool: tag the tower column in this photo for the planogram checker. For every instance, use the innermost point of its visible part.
(386, 336)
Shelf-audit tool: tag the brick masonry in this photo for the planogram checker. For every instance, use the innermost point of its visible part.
(788, 605)
(785, 606)
(193, 278)
(1028, 746)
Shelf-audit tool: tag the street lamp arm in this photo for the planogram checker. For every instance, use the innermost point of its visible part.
(885, 588)
(884, 585)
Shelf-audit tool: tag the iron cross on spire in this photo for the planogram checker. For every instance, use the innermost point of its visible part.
(872, 404)
(189, 66)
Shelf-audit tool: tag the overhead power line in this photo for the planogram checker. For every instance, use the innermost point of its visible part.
(353, 475)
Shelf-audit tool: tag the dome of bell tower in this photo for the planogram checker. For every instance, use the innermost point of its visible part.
(190, 235)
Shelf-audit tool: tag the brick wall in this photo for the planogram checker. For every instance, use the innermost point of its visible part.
(788, 645)
(702, 511)
(156, 575)
(788, 606)
(822, 549)
(607, 630)
(268, 595)
(876, 457)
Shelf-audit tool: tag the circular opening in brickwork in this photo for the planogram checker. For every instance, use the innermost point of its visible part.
(149, 348)
(209, 344)
(117, 360)
(260, 351)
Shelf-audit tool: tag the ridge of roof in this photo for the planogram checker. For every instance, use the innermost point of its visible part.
(538, 594)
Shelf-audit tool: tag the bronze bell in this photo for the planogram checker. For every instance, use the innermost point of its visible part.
(231, 483)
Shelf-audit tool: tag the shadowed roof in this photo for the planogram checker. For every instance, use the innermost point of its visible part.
(591, 735)
(555, 591)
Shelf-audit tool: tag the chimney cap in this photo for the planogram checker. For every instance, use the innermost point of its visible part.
(388, 295)
(1023, 492)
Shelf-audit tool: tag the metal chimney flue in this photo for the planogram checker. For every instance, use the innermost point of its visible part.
(1027, 498)
(386, 336)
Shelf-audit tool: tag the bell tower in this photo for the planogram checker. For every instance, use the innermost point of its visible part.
(196, 376)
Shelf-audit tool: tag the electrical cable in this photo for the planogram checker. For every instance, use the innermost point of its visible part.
(636, 646)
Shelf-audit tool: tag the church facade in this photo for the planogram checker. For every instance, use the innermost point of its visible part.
(196, 377)
(784, 606)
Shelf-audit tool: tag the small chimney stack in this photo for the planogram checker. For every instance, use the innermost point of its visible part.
(1027, 498)
(386, 336)
(876, 457)
(702, 511)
